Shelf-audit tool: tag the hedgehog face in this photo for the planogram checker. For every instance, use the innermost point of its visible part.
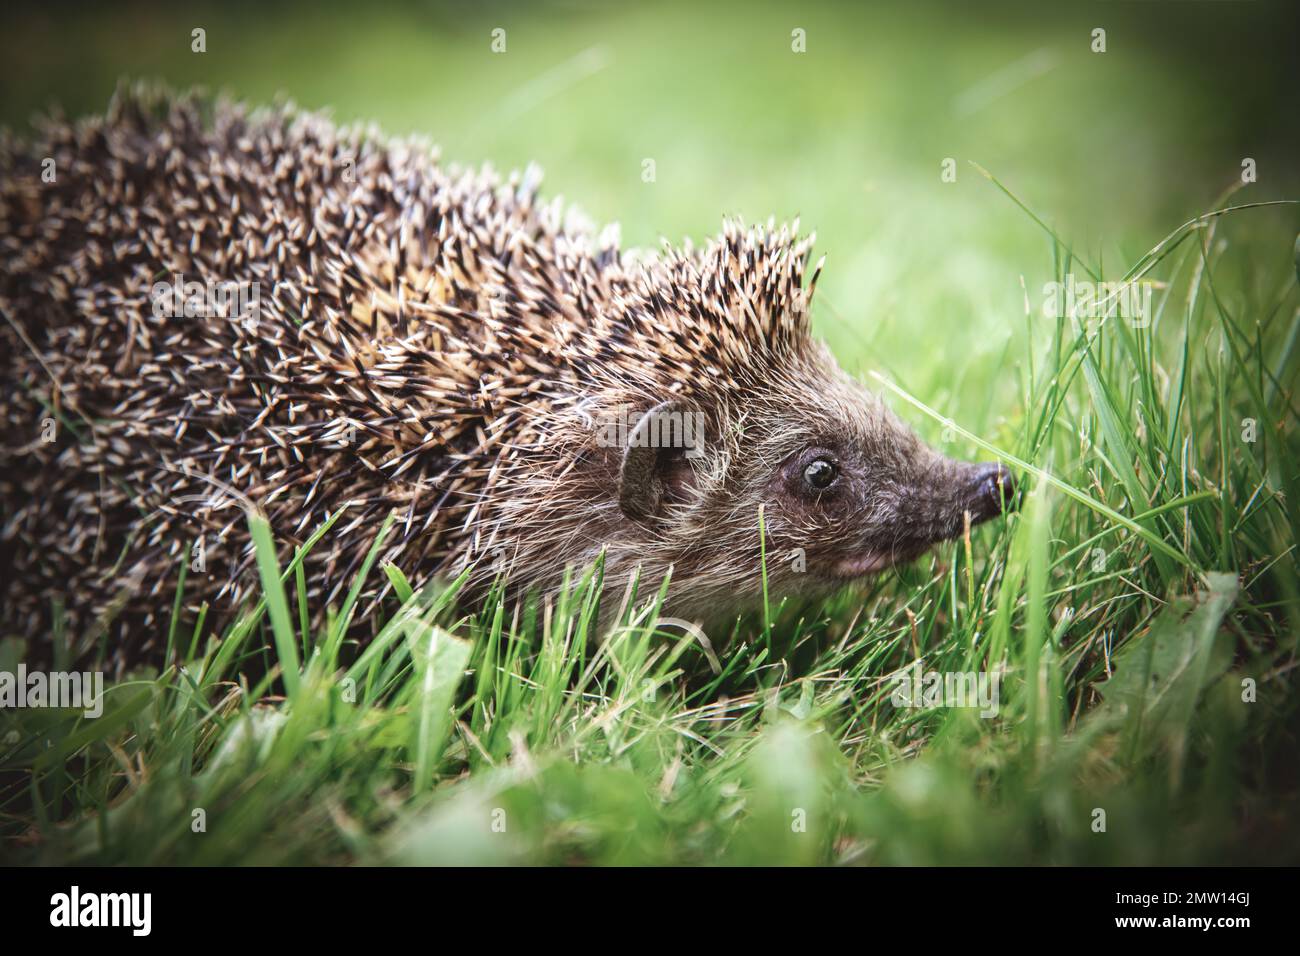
(847, 490)
(854, 491)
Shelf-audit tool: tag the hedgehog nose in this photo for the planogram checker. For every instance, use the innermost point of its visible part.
(994, 491)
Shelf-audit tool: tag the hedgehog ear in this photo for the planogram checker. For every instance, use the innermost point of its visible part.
(659, 436)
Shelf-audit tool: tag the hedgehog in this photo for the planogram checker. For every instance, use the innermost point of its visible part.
(208, 307)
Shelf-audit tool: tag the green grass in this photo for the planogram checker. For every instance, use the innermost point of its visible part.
(1151, 571)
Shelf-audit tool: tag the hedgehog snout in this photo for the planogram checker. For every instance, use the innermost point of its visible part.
(990, 491)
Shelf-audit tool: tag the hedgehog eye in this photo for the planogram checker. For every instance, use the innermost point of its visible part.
(820, 473)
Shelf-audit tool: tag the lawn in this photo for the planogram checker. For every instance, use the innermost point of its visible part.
(1140, 614)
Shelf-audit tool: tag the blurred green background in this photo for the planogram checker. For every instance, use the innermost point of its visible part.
(1113, 149)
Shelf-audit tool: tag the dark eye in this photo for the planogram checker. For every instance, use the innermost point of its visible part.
(820, 473)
